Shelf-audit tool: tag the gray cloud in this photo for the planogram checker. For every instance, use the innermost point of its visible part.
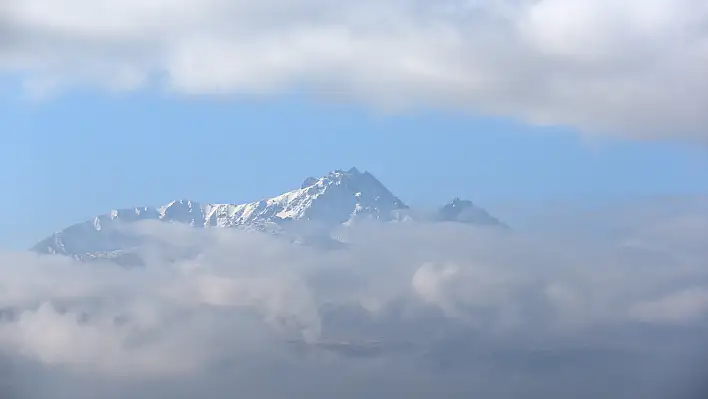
(431, 311)
(632, 68)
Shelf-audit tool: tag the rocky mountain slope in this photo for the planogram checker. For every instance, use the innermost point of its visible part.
(338, 198)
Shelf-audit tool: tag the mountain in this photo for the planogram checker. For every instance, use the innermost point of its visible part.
(464, 211)
(338, 198)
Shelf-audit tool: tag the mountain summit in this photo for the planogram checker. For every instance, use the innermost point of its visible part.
(339, 198)
(464, 211)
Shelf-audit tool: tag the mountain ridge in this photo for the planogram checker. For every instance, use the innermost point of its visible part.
(341, 197)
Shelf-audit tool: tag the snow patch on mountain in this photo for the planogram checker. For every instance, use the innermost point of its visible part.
(340, 198)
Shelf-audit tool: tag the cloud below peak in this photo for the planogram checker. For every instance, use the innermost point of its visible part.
(422, 310)
(635, 69)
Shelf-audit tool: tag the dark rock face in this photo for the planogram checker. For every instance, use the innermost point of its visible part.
(464, 211)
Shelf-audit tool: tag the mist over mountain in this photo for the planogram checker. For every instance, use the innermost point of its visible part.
(449, 303)
(308, 215)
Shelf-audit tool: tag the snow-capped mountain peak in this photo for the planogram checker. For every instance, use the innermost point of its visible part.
(336, 198)
(340, 197)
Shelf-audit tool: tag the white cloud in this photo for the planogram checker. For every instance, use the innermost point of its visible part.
(632, 68)
(59, 338)
(458, 310)
(685, 306)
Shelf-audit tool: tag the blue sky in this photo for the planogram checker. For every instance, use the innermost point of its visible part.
(121, 103)
(65, 159)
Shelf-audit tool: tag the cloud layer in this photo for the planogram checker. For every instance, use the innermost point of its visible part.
(428, 311)
(632, 68)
